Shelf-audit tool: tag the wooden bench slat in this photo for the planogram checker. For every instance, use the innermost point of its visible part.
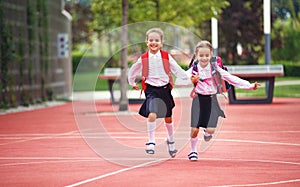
(113, 75)
(276, 70)
(112, 71)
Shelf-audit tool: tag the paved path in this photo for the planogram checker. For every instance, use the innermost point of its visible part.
(284, 83)
(100, 95)
(177, 92)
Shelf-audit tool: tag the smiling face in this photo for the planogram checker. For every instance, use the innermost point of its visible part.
(154, 42)
(203, 55)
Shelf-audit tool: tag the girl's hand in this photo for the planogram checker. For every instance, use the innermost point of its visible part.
(136, 87)
(194, 79)
(255, 85)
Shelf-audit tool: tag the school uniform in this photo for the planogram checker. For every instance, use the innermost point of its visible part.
(158, 92)
(205, 107)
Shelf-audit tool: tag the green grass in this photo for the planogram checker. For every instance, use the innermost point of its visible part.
(287, 91)
(279, 91)
(86, 82)
(90, 82)
(286, 78)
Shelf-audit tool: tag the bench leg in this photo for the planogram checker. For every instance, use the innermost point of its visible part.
(269, 93)
(110, 85)
(231, 95)
(112, 97)
(270, 89)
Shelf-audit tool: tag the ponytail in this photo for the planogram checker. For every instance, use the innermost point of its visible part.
(192, 60)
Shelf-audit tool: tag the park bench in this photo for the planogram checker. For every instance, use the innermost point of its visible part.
(112, 75)
(253, 73)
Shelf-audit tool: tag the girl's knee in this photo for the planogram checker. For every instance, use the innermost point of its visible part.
(152, 117)
(194, 132)
(210, 130)
(168, 120)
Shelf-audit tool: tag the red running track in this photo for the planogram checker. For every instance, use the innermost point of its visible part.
(257, 145)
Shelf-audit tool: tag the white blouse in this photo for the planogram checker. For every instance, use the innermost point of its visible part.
(156, 73)
(208, 87)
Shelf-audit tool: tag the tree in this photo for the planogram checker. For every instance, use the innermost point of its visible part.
(81, 16)
(124, 101)
(286, 30)
(107, 14)
(241, 24)
(284, 9)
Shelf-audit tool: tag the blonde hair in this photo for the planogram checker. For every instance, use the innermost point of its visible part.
(156, 30)
(203, 44)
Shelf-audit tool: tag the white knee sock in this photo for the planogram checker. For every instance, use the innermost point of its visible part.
(194, 144)
(151, 131)
(170, 129)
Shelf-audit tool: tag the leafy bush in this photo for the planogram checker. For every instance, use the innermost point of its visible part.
(285, 41)
(291, 70)
(91, 62)
(76, 57)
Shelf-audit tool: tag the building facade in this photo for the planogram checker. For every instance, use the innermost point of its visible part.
(35, 53)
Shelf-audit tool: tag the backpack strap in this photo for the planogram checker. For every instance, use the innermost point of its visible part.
(195, 67)
(219, 62)
(219, 82)
(145, 67)
(166, 63)
(195, 71)
(145, 70)
(213, 63)
(145, 64)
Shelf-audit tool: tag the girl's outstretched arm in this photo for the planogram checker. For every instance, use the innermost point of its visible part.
(255, 85)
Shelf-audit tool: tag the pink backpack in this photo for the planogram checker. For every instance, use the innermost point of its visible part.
(222, 86)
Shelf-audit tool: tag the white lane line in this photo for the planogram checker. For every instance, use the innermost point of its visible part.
(115, 172)
(257, 142)
(215, 159)
(250, 160)
(159, 138)
(133, 158)
(47, 162)
(62, 159)
(70, 136)
(139, 132)
(89, 159)
(262, 184)
(49, 158)
(38, 138)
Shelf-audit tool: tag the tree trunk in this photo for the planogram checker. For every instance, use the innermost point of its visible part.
(124, 38)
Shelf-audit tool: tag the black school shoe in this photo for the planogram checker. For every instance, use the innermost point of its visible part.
(207, 137)
(171, 152)
(193, 156)
(150, 148)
